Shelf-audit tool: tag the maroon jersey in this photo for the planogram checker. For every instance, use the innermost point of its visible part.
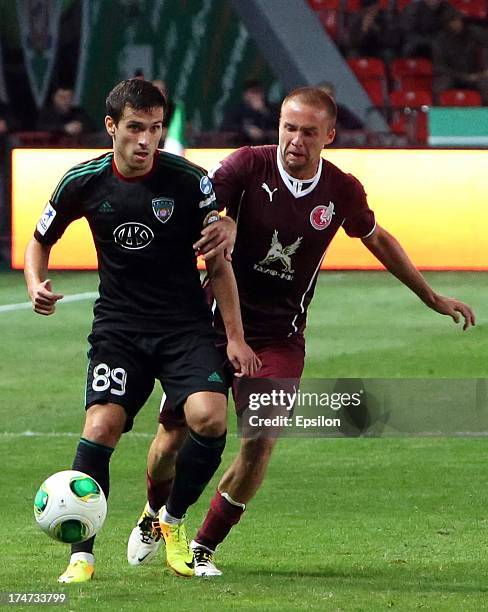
(284, 227)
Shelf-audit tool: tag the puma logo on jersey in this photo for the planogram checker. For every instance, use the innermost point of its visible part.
(277, 252)
(268, 191)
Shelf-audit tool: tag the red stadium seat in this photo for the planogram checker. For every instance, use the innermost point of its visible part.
(414, 73)
(371, 73)
(318, 5)
(460, 97)
(401, 4)
(330, 19)
(409, 114)
(351, 6)
(472, 9)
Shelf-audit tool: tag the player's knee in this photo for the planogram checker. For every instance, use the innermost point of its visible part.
(104, 425)
(209, 425)
(207, 414)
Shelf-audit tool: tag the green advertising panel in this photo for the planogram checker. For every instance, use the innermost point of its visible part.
(458, 127)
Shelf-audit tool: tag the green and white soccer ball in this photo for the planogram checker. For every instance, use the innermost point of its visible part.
(70, 506)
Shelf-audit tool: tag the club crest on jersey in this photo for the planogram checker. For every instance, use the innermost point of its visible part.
(321, 216)
(206, 186)
(163, 208)
(133, 235)
(278, 252)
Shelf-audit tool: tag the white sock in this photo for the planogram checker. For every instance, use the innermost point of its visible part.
(82, 556)
(168, 519)
(228, 498)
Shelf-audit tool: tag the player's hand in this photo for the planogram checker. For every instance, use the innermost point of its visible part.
(454, 309)
(43, 299)
(216, 238)
(242, 358)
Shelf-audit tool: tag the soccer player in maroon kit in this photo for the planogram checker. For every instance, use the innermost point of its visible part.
(288, 203)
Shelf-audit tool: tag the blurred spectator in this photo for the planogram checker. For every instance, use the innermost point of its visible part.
(346, 119)
(139, 74)
(61, 117)
(8, 122)
(252, 120)
(457, 57)
(421, 21)
(375, 32)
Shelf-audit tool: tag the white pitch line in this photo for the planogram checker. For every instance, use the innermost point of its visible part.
(75, 297)
(62, 434)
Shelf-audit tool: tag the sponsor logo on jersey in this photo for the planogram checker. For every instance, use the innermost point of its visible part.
(206, 186)
(278, 253)
(215, 377)
(105, 207)
(163, 208)
(46, 219)
(211, 217)
(210, 200)
(268, 191)
(133, 235)
(321, 216)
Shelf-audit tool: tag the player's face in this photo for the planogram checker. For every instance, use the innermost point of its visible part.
(135, 139)
(304, 131)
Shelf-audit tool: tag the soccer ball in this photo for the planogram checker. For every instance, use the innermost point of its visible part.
(70, 506)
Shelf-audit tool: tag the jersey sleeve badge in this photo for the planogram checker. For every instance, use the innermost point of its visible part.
(46, 219)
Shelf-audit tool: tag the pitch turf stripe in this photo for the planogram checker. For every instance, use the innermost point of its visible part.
(91, 167)
(75, 297)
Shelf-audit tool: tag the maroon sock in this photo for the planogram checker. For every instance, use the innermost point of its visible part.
(157, 492)
(220, 519)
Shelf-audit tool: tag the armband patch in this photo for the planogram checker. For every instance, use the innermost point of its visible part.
(46, 219)
(211, 217)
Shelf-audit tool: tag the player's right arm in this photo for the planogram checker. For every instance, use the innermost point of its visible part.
(61, 209)
(35, 271)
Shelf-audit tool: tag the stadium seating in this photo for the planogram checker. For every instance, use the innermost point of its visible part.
(409, 114)
(371, 73)
(460, 97)
(472, 9)
(413, 73)
(330, 17)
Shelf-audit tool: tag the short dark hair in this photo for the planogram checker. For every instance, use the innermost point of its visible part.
(136, 93)
(315, 97)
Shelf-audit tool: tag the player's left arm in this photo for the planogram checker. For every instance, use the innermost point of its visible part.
(224, 287)
(390, 253)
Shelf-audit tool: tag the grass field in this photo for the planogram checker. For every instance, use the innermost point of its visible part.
(340, 524)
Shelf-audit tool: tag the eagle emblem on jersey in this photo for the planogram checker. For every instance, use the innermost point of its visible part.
(321, 216)
(163, 208)
(278, 252)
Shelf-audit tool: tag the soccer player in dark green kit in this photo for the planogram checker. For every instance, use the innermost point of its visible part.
(145, 209)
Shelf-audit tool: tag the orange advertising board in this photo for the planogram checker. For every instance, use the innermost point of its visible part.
(434, 202)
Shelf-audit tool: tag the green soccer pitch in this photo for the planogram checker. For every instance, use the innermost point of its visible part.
(340, 524)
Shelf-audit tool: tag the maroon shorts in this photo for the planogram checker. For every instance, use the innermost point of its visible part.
(280, 360)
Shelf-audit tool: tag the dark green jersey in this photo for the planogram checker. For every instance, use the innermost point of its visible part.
(143, 229)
